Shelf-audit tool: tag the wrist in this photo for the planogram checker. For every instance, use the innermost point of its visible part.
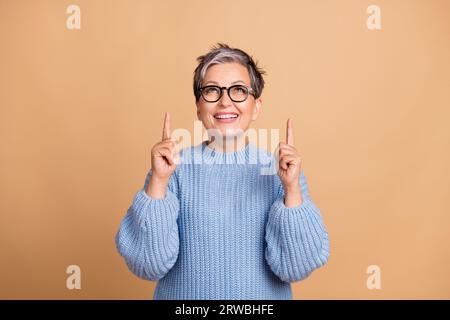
(292, 195)
(293, 188)
(156, 188)
(159, 181)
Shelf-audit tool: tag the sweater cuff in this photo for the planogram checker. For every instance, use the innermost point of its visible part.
(304, 208)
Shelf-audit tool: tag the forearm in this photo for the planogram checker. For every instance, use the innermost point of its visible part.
(297, 241)
(148, 235)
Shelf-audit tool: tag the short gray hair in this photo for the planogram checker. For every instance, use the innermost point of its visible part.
(222, 53)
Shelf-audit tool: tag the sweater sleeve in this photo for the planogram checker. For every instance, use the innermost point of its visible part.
(148, 236)
(296, 238)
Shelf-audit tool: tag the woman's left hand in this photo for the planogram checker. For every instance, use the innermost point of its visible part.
(289, 161)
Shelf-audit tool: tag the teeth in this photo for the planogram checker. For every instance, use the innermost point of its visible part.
(226, 116)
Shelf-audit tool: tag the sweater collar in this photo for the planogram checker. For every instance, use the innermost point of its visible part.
(204, 154)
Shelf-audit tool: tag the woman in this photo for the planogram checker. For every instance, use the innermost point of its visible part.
(218, 228)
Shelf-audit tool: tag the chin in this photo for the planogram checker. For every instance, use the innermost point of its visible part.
(225, 132)
(230, 132)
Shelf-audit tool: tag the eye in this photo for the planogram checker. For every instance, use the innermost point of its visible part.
(240, 89)
(211, 90)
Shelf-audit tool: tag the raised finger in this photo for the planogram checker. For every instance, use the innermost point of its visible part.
(289, 133)
(166, 128)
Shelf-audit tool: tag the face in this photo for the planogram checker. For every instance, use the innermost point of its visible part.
(210, 113)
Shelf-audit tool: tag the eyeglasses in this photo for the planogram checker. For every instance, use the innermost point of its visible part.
(237, 93)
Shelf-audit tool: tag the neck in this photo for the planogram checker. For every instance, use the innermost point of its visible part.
(228, 144)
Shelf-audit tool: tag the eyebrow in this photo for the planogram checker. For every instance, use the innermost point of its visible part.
(234, 82)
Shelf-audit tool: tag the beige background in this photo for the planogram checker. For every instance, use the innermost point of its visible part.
(81, 109)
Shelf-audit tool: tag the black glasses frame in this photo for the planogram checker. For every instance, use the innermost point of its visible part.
(248, 90)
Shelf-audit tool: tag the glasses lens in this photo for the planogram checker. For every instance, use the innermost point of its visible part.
(211, 93)
(238, 93)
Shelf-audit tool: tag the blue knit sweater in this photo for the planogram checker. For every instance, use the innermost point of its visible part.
(222, 231)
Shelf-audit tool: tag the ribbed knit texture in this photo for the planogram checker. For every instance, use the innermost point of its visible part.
(222, 231)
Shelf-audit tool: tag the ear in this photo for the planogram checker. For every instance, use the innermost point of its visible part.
(257, 109)
(198, 110)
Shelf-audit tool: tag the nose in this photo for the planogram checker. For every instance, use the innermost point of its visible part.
(225, 100)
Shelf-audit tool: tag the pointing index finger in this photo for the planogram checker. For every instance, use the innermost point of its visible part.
(289, 133)
(166, 128)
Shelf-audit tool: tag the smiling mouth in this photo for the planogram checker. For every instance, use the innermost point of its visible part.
(226, 116)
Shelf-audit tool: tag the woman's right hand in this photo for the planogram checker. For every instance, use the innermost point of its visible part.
(165, 157)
